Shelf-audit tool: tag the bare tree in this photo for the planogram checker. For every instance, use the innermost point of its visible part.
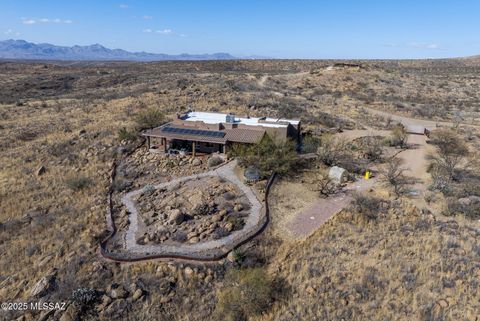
(392, 174)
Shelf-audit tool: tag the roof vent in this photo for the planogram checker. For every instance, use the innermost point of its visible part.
(230, 118)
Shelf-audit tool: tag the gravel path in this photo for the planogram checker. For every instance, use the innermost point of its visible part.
(203, 250)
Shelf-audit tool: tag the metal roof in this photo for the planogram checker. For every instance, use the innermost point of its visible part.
(216, 118)
(236, 135)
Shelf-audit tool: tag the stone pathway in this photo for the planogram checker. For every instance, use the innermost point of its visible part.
(203, 250)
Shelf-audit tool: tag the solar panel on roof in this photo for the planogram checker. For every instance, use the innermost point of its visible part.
(198, 132)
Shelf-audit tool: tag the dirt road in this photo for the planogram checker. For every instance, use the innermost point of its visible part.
(407, 121)
(307, 221)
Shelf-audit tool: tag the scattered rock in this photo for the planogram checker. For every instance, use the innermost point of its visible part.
(176, 216)
(465, 201)
(310, 290)
(106, 300)
(229, 227)
(41, 170)
(208, 279)
(194, 240)
(137, 294)
(231, 257)
(119, 292)
(43, 286)
(188, 271)
(196, 162)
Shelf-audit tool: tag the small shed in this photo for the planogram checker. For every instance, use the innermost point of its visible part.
(338, 175)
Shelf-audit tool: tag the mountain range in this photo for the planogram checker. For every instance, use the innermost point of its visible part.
(23, 50)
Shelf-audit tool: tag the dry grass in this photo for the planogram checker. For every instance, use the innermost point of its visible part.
(404, 266)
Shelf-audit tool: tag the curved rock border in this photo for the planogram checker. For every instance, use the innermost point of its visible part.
(206, 251)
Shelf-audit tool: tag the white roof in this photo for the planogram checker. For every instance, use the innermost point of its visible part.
(215, 118)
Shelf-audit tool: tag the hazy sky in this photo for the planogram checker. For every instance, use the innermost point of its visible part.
(280, 29)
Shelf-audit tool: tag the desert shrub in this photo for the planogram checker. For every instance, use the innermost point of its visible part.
(26, 134)
(470, 209)
(398, 137)
(311, 144)
(326, 186)
(245, 293)
(149, 118)
(392, 174)
(125, 134)
(440, 179)
(215, 161)
(77, 182)
(451, 151)
(333, 151)
(121, 184)
(236, 221)
(372, 148)
(203, 209)
(368, 207)
(268, 156)
(84, 296)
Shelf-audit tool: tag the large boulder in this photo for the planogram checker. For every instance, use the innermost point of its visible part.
(176, 216)
(338, 175)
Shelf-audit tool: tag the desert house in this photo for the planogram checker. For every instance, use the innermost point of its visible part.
(208, 132)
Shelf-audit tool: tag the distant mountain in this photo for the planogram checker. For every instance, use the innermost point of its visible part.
(21, 49)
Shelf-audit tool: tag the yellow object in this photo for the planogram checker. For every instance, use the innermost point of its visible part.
(367, 175)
